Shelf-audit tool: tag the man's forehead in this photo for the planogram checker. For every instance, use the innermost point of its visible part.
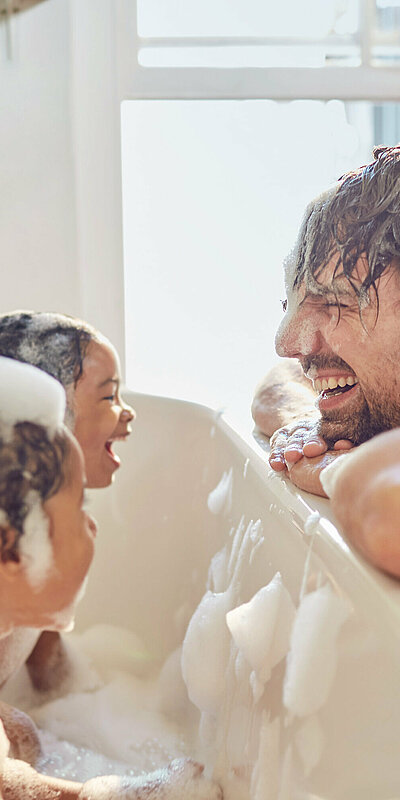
(289, 271)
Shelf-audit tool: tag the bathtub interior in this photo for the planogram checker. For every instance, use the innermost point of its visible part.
(156, 538)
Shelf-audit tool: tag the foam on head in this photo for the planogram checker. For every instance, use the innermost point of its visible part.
(28, 394)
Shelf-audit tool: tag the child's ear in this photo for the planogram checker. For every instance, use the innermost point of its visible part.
(10, 562)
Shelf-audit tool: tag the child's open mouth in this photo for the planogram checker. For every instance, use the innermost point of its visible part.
(110, 451)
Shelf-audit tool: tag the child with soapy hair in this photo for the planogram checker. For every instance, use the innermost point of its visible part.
(87, 366)
(46, 547)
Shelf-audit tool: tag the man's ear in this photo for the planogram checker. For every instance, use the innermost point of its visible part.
(10, 562)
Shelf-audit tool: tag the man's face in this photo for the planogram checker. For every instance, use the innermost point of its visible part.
(352, 361)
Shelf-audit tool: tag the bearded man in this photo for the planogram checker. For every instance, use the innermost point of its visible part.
(342, 327)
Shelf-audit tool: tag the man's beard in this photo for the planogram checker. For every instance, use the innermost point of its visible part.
(365, 419)
(361, 425)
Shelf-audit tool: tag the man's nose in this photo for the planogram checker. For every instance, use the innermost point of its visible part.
(297, 336)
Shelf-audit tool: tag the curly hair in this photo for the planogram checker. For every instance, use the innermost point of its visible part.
(360, 215)
(55, 343)
(29, 460)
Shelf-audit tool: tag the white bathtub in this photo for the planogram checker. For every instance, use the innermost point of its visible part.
(155, 543)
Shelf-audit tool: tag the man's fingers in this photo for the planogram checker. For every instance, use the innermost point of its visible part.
(314, 446)
(294, 452)
(343, 444)
(277, 462)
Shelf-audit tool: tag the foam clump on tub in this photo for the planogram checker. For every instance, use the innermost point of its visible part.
(261, 628)
(265, 774)
(309, 741)
(311, 523)
(312, 658)
(205, 651)
(219, 500)
(28, 394)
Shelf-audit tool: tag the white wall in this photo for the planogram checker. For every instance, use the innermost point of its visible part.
(60, 197)
(37, 214)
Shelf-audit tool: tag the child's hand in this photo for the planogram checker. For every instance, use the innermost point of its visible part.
(181, 780)
(21, 733)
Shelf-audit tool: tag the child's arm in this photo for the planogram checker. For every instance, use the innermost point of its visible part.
(21, 733)
(22, 782)
(48, 664)
(182, 778)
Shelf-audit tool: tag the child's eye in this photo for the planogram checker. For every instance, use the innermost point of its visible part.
(284, 305)
(110, 397)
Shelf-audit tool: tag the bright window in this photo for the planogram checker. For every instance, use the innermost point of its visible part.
(214, 188)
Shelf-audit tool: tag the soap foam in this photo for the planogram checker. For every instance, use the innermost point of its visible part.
(28, 394)
(35, 547)
(220, 499)
(312, 659)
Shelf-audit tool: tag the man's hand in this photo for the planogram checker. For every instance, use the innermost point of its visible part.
(292, 442)
(306, 473)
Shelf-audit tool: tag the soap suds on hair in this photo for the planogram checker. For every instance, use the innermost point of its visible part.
(28, 394)
(35, 546)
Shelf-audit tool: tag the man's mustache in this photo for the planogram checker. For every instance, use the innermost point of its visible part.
(323, 362)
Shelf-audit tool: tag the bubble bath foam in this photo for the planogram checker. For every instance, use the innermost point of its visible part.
(227, 619)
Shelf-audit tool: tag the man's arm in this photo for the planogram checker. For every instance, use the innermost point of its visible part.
(283, 396)
(365, 494)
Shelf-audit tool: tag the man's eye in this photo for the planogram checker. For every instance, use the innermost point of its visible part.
(284, 305)
(335, 305)
(110, 397)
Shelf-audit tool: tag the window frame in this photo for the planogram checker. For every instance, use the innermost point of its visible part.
(364, 82)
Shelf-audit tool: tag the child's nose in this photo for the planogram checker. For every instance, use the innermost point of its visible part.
(92, 525)
(128, 414)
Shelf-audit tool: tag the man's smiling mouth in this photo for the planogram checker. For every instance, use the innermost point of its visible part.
(330, 386)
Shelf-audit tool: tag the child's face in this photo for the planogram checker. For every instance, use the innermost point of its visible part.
(101, 417)
(72, 531)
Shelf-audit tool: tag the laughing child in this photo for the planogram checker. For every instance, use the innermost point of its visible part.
(87, 366)
(46, 547)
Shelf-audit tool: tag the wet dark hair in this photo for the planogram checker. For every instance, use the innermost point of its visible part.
(29, 460)
(360, 215)
(55, 343)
